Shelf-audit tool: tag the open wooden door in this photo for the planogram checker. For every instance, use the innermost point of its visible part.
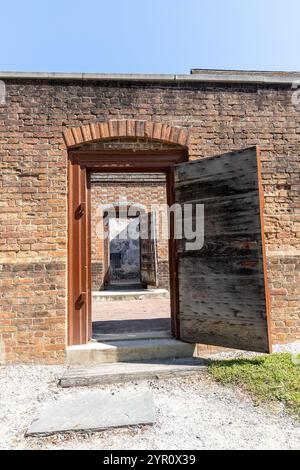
(223, 294)
(79, 272)
(106, 263)
(148, 249)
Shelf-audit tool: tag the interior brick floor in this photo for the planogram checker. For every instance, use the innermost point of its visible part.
(125, 316)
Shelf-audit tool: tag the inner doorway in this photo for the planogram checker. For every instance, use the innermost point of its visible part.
(129, 255)
(123, 254)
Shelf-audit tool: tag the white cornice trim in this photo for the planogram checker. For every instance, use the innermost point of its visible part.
(213, 76)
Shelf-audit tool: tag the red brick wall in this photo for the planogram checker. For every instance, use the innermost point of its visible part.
(33, 185)
(136, 191)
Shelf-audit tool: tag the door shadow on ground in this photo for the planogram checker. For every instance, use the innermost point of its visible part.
(131, 326)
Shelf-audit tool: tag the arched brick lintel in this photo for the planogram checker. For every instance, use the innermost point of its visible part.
(115, 129)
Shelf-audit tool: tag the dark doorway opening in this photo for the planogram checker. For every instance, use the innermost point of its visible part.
(121, 252)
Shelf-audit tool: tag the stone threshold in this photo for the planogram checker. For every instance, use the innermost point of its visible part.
(122, 372)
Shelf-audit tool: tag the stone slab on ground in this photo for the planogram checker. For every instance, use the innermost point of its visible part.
(121, 372)
(94, 411)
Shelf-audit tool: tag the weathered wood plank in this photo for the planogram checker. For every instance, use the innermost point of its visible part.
(148, 250)
(222, 285)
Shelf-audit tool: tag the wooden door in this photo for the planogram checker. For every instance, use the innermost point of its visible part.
(148, 249)
(223, 295)
(106, 257)
(79, 281)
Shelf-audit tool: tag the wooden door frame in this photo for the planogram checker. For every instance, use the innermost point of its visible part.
(114, 161)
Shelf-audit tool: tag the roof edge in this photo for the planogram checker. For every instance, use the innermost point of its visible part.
(197, 75)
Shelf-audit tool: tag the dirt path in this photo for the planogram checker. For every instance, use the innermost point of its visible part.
(191, 414)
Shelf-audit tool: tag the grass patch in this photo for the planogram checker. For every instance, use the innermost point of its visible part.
(271, 377)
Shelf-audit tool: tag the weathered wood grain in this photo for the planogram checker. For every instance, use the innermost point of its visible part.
(222, 286)
(148, 249)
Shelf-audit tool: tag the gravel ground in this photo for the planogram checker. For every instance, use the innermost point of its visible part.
(293, 348)
(192, 413)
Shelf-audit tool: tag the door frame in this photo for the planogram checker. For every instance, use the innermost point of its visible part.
(81, 163)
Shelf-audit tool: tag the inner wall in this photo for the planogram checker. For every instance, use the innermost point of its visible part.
(123, 303)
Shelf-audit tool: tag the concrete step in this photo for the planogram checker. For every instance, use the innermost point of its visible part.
(124, 285)
(139, 294)
(128, 350)
(122, 372)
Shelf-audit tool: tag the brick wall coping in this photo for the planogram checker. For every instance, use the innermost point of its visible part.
(197, 75)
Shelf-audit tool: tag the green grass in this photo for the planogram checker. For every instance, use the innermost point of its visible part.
(271, 377)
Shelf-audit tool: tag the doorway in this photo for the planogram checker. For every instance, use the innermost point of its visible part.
(123, 256)
(82, 165)
(218, 283)
(129, 255)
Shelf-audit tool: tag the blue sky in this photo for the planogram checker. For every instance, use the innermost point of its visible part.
(159, 36)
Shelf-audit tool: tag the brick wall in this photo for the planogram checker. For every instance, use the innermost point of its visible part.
(33, 185)
(107, 189)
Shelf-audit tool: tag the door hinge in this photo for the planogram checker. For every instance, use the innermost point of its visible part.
(81, 299)
(80, 210)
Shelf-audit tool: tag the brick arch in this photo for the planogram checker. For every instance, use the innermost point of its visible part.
(115, 129)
